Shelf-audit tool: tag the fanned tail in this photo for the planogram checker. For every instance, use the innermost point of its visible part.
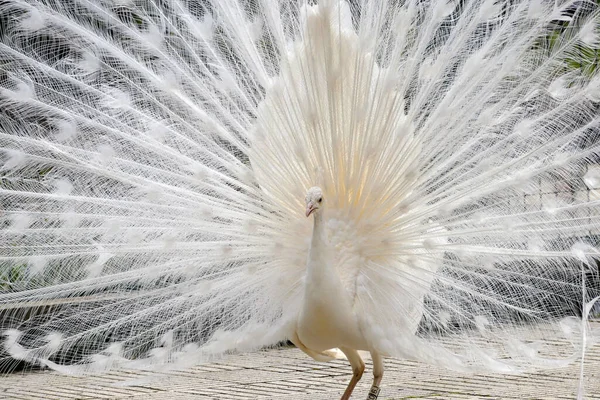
(154, 158)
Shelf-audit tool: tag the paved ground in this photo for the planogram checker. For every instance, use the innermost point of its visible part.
(289, 374)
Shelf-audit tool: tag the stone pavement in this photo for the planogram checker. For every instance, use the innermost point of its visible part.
(289, 374)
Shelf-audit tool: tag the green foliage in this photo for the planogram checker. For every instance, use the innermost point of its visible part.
(11, 276)
(580, 56)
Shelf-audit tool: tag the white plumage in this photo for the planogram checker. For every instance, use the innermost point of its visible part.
(155, 157)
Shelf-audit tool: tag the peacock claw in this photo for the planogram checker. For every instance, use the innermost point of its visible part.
(373, 393)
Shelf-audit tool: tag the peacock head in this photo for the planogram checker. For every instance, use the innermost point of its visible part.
(314, 200)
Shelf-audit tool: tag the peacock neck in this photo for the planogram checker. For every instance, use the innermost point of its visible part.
(319, 237)
(319, 266)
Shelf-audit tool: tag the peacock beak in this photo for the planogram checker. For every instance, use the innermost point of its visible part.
(310, 207)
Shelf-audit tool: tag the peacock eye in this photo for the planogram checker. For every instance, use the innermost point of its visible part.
(320, 199)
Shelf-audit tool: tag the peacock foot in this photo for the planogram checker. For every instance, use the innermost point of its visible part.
(373, 393)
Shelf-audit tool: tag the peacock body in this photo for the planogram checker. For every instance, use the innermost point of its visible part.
(156, 157)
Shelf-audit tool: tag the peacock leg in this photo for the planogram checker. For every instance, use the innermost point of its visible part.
(358, 367)
(377, 375)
